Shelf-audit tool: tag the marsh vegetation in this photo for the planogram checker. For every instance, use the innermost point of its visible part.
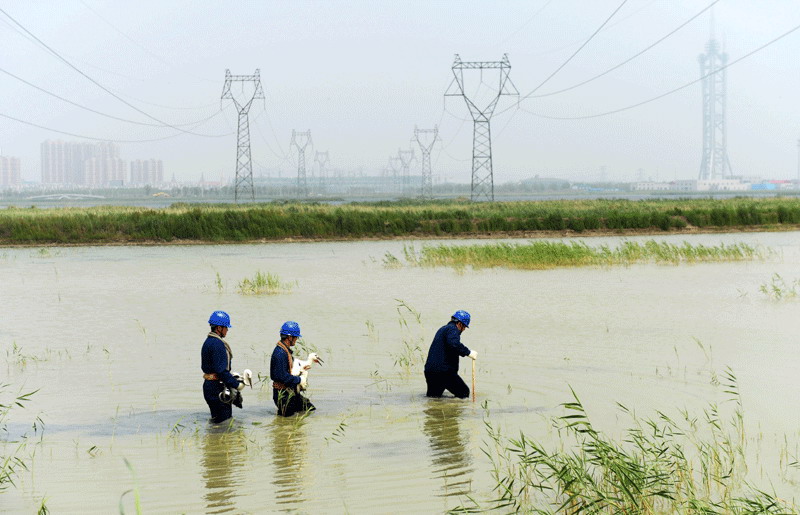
(537, 255)
(684, 463)
(280, 220)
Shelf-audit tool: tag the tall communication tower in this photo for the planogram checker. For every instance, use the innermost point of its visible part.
(406, 157)
(244, 161)
(715, 163)
(482, 172)
(321, 158)
(426, 138)
(300, 140)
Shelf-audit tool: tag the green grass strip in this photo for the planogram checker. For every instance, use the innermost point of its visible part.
(277, 221)
(540, 255)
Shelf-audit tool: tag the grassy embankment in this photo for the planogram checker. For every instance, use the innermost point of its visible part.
(542, 255)
(277, 221)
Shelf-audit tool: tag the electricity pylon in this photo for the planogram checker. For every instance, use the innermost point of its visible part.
(300, 140)
(244, 161)
(321, 158)
(426, 138)
(395, 166)
(406, 157)
(482, 172)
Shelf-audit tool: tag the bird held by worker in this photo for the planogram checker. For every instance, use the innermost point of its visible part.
(299, 366)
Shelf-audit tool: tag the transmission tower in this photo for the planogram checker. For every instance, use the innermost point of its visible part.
(244, 162)
(395, 166)
(321, 158)
(300, 140)
(482, 174)
(426, 138)
(715, 163)
(406, 157)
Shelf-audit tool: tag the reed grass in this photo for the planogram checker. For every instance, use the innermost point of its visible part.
(778, 289)
(685, 464)
(539, 255)
(10, 461)
(264, 284)
(275, 221)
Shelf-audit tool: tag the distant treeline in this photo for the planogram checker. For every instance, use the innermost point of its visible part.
(276, 221)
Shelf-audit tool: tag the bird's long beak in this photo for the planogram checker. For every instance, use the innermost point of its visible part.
(319, 360)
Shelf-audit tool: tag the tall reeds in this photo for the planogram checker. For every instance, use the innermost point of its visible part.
(264, 284)
(274, 221)
(538, 255)
(685, 464)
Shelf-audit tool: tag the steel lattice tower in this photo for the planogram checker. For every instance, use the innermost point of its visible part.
(426, 138)
(406, 157)
(321, 158)
(395, 166)
(244, 161)
(300, 140)
(482, 172)
(715, 163)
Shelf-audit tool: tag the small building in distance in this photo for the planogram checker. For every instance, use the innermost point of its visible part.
(9, 171)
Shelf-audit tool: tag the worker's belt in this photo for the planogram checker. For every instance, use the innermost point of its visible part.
(211, 377)
(280, 386)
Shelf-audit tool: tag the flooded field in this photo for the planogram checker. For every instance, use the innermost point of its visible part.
(110, 337)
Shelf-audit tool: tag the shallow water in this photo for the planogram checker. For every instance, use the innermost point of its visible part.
(110, 336)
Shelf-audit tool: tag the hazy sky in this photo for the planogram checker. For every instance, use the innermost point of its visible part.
(361, 74)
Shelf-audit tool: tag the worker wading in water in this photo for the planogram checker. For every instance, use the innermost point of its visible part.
(285, 386)
(441, 367)
(220, 387)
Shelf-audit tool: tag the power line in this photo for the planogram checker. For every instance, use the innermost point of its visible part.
(670, 92)
(91, 110)
(145, 49)
(679, 27)
(83, 136)
(92, 80)
(576, 51)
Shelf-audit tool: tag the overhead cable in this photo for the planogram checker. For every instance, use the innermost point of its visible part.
(91, 110)
(94, 138)
(623, 63)
(90, 79)
(670, 92)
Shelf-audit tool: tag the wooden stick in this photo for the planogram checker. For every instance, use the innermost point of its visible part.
(473, 380)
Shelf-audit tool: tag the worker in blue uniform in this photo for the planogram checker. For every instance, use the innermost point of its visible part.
(286, 387)
(441, 367)
(220, 387)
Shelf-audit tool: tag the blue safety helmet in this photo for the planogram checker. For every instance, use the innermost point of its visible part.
(220, 318)
(290, 329)
(462, 316)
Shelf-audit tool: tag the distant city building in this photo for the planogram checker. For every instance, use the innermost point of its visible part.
(9, 171)
(104, 171)
(147, 171)
(64, 162)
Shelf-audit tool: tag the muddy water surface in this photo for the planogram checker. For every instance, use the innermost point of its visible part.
(111, 336)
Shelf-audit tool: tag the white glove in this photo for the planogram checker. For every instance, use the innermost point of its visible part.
(473, 355)
(303, 381)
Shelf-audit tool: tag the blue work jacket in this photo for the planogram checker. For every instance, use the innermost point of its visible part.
(445, 350)
(214, 360)
(279, 368)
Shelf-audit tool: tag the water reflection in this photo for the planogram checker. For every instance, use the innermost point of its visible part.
(224, 453)
(289, 457)
(450, 459)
